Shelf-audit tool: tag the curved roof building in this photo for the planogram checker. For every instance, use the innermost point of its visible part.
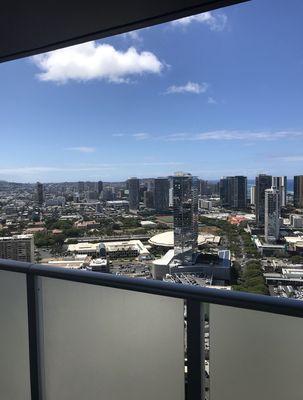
(166, 239)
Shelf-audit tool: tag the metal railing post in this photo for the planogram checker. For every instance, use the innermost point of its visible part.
(33, 335)
(195, 351)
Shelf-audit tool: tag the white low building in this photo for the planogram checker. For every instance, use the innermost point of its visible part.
(166, 239)
(294, 242)
(125, 249)
(92, 249)
(148, 224)
(99, 264)
(17, 247)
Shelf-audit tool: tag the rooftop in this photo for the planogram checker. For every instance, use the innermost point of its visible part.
(166, 239)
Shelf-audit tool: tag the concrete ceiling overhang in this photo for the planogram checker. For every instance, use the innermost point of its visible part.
(37, 26)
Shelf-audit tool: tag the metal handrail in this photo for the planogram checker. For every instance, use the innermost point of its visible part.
(276, 305)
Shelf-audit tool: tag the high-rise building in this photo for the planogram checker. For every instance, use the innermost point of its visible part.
(99, 187)
(81, 187)
(204, 188)
(40, 194)
(239, 196)
(17, 247)
(298, 191)
(207, 188)
(263, 182)
(272, 213)
(148, 199)
(280, 183)
(171, 196)
(134, 193)
(226, 188)
(233, 192)
(185, 192)
(161, 194)
(142, 190)
(253, 195)
(108, 193)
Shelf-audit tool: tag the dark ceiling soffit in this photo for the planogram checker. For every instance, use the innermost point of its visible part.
(115, 30)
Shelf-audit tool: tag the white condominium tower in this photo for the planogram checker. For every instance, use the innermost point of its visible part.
(280, 183)
(272, 212)
(17, 247)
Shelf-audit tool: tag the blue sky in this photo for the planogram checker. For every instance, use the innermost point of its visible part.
(217, 94)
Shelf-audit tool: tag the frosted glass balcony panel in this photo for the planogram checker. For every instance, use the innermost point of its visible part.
(105, 343)
(255, 355)
(14, 355)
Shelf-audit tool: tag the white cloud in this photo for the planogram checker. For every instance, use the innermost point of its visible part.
(141, 136)
(211, 100)
(216, 22)
(133, 35)
(82, 149)
(293, 158)
(118, 134)
(225, 135)
(34, 171)
(91, 60)
(189, 87)
(247, 137)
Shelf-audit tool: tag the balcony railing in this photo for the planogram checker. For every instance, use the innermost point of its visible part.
(70, 334)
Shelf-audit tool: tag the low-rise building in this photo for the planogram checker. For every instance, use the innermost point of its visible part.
(205, 204)
(148, 224)
(166, 239)
(289, 276)
(269, 249)
(73, 262)
(118, 204)
(86, 224)
(296, 220)
(92, 249)
(126, 249)
(99, 265)
(294, 243)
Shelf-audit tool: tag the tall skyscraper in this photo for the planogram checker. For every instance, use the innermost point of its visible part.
(134, 193)
(298, 191)
(108, 193)
(161, 194)
(280, 183)
(204, 188)
(272, 213)
(185, 192)
(233, 192)
(40, 193)
(253, 195)
(239, 195)
(99, 187)
(225, 191)
(148, 199)
(263, 182)
(81, 187)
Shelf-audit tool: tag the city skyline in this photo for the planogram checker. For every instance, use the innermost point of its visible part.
(147, 108)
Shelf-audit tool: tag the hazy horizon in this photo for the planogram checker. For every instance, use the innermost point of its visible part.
(209, 94)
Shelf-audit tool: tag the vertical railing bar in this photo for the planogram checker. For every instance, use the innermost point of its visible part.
(195, 351)
(33, 335)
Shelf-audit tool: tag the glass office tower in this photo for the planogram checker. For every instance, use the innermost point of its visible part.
(298, 191)
(134, 193)
(185, 196)
(263, 182)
